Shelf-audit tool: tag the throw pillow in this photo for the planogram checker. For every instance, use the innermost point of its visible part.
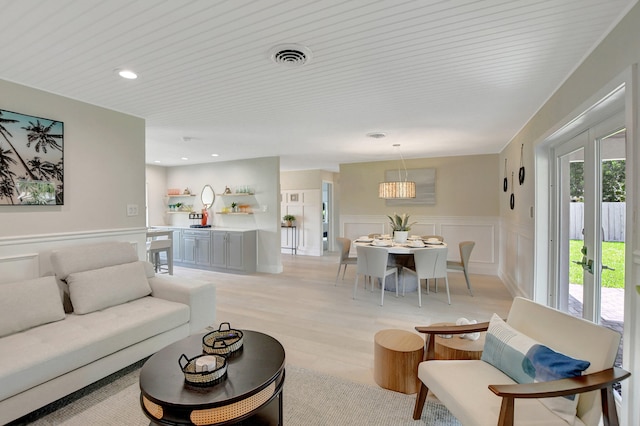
(27, 304)
(526, 361)
(101, 288)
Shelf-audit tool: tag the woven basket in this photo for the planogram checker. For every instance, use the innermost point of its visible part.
(222, 342)
(204, 378)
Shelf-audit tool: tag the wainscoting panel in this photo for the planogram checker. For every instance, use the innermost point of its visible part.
(21, 267)
(482, 230)
(353, 230)
(517, 248)
(482, 233)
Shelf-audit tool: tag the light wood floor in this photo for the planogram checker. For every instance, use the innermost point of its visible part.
(322, 327)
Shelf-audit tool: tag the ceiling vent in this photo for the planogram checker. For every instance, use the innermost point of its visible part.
(290, 55)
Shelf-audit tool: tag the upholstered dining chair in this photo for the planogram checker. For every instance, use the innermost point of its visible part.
(425, 263)
(372, 262)
(441, 270)
(463, 265)
(344, 245)
(361, 268)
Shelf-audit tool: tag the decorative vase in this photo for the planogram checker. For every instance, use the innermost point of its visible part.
(205, 217)
(400, 237)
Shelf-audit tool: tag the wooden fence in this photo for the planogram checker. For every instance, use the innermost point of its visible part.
(613, 221)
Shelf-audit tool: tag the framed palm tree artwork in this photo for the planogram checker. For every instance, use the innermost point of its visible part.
(31, 160)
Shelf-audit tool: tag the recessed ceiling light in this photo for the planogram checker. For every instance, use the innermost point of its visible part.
(184, 158)
(128, 74)
(156, 161)
(214, 155)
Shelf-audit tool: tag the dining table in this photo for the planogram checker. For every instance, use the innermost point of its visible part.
(400, 255)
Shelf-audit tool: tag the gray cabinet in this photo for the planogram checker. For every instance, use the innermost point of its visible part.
(234, 251)
(196, 247)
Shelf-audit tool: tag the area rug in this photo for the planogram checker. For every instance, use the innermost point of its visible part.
(310, 399)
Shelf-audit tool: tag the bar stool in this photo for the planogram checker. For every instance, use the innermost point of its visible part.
(155, 248)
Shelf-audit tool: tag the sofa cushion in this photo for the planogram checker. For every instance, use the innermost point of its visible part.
(526, 361)
(91, 256)
(463, 387)
(26, 304)
(42, 353)
(101, 288)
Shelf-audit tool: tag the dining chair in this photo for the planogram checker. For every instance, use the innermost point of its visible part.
(344, 245)
(372, 262)
(425, 264)
(361, 268)
(433, 264)
(463, 265)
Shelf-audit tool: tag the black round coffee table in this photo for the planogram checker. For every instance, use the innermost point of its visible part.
(251, 393)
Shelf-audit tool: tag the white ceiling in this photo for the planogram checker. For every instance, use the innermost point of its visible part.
(439, 77)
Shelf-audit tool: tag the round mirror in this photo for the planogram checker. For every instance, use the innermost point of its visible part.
(207, 196)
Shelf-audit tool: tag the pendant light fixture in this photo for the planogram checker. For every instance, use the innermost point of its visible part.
(400, 188)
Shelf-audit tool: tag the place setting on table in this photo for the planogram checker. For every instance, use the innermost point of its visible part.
(412, 242)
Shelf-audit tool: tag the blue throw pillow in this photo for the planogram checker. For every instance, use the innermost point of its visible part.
(527, 361)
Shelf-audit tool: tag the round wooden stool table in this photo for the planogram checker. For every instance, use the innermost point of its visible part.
(457, 348)
(397, 354)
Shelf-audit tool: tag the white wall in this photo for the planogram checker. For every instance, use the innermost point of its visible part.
(618, 54)
(260, 174)
(103, 172)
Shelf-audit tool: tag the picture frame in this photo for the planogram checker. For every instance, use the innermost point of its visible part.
(31, 160)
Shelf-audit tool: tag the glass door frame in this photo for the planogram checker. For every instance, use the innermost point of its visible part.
(590, 142)
(622, 93)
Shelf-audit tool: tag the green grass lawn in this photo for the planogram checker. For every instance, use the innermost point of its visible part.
(612, 256)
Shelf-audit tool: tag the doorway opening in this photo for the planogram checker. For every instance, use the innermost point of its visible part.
(327, 214)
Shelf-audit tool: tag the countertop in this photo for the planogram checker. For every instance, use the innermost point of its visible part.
(213, 228)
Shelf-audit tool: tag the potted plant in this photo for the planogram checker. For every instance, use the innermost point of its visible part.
(400, 226)
(234, 207)
(289, 219)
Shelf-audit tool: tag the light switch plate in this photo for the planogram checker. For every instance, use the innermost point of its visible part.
(132, 210)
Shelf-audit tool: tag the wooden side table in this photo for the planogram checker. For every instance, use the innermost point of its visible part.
(397, 354)
(458, 348)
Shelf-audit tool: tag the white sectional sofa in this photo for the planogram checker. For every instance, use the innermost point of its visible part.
(103, 311)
